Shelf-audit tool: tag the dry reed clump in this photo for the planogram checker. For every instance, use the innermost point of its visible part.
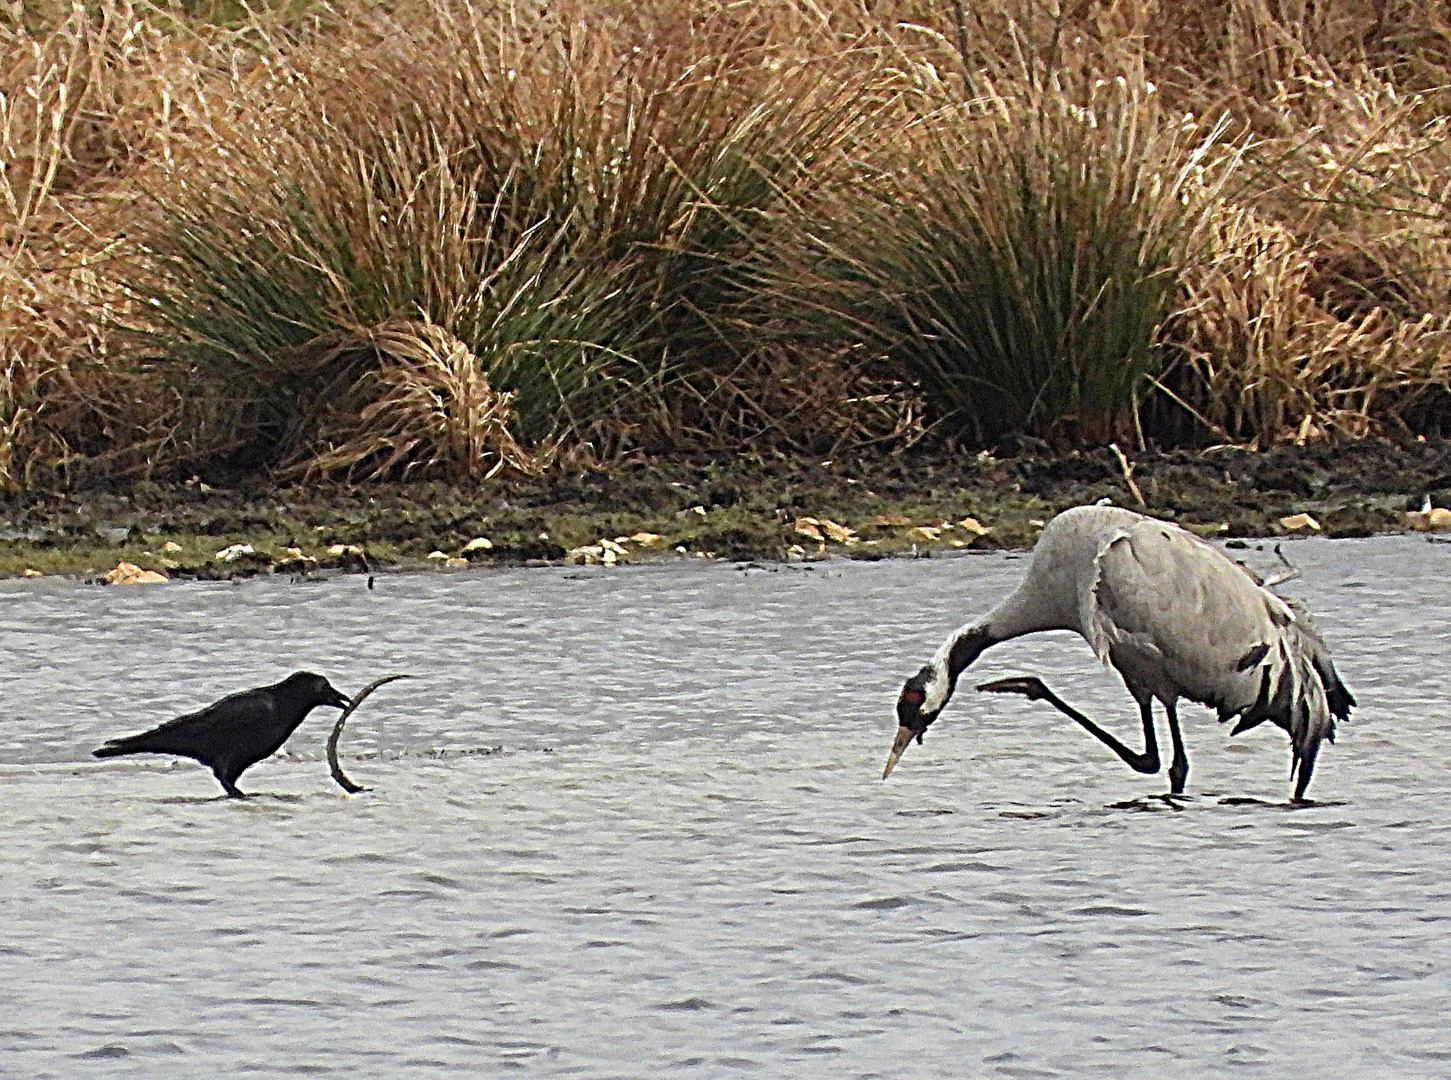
(1322, 309)
(1014, 255)
(1270, 363)
(567, 202)
(344, 244)
(1246, 53)
(430, 410)
(1313, 304)
(85, 103)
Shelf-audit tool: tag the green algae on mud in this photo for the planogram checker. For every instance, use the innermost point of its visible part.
(742, 506)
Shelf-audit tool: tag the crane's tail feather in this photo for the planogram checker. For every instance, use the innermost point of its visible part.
(1300, 692)
(1310, 718)
(1304, 764)
(1337, 697)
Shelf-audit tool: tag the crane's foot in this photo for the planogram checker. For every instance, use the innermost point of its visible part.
(1030, 686)
(1151, 804)
(1178, 774)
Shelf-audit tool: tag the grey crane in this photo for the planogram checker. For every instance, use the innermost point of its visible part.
(1176, 617)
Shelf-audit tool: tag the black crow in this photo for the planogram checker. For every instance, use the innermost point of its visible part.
(237, 732)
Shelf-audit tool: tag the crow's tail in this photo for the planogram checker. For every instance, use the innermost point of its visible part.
(133, 744)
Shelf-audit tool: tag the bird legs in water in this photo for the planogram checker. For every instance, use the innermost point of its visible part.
(230, 785)
(1031, 687)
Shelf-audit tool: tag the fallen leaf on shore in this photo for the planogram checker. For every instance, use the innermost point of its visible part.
(972, 525)
(588, 554)
(171, 545)
(644, 538)
(478, 543)
(345, 549)
(891, 521)
(31, 573)
(131, 574)
(234, 552)
(823, 529)
(1432, 520)
(1299, 521)
(810, 527)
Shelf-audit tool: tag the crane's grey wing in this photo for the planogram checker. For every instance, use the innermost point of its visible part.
(1184, 620)
(1160, 591)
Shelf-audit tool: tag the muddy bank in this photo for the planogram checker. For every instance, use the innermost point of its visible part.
(727, 506)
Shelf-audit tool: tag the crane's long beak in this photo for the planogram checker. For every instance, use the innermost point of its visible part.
(904, 736)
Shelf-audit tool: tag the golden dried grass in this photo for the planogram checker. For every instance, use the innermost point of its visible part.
(1270, 363)
(86, 103)
(567, 201)
(1014, 254)
(430, 412)
(577, 195)
(1321, 309)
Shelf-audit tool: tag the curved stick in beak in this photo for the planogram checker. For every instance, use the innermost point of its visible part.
(332, 740)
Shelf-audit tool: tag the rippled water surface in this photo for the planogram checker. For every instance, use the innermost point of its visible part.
(681, 860)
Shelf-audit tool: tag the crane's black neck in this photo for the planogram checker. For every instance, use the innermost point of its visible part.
(966, 647)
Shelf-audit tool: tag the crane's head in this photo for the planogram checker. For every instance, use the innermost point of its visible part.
(922, 698)
(925, 693)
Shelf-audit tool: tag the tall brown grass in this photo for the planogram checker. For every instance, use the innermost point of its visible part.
(443, 238)
(81, 100)
(1019, 264)
(565, 191)
(431, 409)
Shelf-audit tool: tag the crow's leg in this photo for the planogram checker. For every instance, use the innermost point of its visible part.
(230, 784)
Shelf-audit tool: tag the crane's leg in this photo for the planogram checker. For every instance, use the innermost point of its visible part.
(1306, 765)
(1179, 768)
(1032, 688)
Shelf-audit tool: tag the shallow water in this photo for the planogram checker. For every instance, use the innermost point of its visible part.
(632, 819)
